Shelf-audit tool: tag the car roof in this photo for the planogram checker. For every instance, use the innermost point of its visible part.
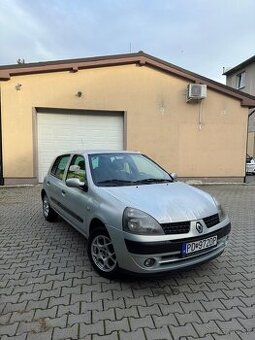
(92, 152)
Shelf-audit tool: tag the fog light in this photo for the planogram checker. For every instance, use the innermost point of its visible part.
(149, 262)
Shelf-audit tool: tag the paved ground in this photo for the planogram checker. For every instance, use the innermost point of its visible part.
(49, 291)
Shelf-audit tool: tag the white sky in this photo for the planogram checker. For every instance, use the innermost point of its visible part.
(201, 36)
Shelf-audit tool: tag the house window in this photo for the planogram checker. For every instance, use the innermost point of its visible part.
(240, 80)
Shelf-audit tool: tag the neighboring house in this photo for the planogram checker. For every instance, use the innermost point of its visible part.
(130, 101)
(242, 77)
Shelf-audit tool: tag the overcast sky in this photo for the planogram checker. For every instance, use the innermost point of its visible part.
(201, 36)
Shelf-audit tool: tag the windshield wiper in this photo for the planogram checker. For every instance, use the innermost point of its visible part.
(115, 182)
(153, 180)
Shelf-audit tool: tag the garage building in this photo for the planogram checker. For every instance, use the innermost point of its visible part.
(130, 101)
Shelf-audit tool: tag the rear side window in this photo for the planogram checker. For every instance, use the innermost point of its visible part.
(59, 166)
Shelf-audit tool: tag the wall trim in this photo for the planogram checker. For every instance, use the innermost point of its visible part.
(212, 180)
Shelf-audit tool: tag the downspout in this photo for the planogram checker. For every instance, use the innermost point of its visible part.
(1, 150)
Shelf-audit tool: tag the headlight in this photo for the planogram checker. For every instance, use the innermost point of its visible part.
(137, 222)
(221, 211)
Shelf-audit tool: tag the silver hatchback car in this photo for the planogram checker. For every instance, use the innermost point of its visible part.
(135, 214)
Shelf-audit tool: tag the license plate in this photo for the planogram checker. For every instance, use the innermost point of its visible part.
(192, 247)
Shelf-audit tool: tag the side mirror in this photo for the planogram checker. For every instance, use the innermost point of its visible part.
(174, 176)
(76, 183)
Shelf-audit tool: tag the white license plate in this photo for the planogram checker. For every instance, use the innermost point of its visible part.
(192, 247)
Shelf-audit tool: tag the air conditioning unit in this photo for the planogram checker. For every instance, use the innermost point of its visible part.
(196, 91)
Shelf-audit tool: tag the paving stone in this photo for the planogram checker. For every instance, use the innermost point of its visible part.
(140, 301)
(69, 309)
(70, 332)
(40, 336)
(9, 298)
(87, 306)
(126, 312)
(119, 303)
(71, 290)
(111, 286)
(229, 336)
(247, 301)
(42, 304)
(207, 328)
(150, 310)
(91, 288)
(15, 337)
(63, 300)
(111, 326)
(144, 322)
(91, 329)
(79, 318)
(190, 317)
(199, 296)
(24, 316)
(15, 307)
(112, 336)
(235, 302)
(249, 312)
(232, 313)
(108, 314)
(134, 335)
(86, 297)
(215, 304)
(42, 286)
(177, 298)
(248, 324)
(50, 293)
(171, 308)
(59, 284)
(152, 300)
(9, 330)
(182, 331)
(159, 333)
(218, 294)
(247, 335)
(46, 313)
(210, 316)
(4, 318)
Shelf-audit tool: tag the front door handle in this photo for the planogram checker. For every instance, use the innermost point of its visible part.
(63, 192)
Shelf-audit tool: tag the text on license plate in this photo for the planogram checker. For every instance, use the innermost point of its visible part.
(192, 247)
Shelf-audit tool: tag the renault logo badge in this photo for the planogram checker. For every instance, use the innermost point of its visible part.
(199, 227)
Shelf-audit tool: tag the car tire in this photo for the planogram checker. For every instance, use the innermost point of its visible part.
(48, 213)
(101, 253)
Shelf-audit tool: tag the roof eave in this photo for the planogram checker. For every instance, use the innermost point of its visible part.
(140, 58)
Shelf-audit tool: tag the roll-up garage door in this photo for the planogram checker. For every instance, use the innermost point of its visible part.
(67, 131)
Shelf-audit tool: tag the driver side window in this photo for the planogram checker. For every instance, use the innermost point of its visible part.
(77, 168)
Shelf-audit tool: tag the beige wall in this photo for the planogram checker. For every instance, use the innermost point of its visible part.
(159, 121)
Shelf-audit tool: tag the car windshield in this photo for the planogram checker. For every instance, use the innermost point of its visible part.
(122, 169)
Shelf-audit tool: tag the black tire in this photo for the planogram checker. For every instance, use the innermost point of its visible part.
(48, 213)
(104, 259)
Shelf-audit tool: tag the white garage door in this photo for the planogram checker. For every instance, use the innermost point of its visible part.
(62, 132)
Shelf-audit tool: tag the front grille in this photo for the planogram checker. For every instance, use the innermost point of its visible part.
(176, 228)
(210, 221)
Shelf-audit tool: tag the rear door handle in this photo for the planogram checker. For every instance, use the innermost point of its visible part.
(63, 193)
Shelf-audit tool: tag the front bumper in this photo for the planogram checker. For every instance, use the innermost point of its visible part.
(167, 254)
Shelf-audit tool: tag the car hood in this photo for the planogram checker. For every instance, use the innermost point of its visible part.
(166, 202)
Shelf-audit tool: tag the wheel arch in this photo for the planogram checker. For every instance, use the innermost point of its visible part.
(43, 193)
(95, 224)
